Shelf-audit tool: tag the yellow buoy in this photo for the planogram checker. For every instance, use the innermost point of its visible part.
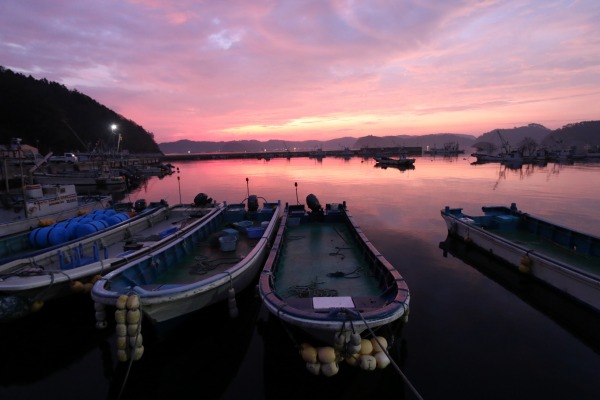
(330, 369)
(308, 353)
(121, 330)
(136, 340)
(121, 342)
(133, 302)
(382, 360)
(121, 302)
(524, 269)
(36, 305)
(326, 354)
(379, 344)
(95, 278)
(120, 316)
(77, 286)
(87, 287)
(526, 260)
(366, 347)
(367, 362)
(352, 359)
(122, 355)
(132, 329)
(313, 368)
(133, 316)
(137, 353)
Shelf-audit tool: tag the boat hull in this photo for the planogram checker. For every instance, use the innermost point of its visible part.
(180, 278)
(348, 309)
(559, 260)
(74, 266)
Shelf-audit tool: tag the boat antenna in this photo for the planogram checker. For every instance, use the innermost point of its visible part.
(179, 184)
(296, 184)
(247, 186)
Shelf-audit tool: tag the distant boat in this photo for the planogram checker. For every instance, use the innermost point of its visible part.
(71, 266)
(401, 161)
(81, 178)
(332, 289)
(45, 204)
(207, 265)
(563, 258)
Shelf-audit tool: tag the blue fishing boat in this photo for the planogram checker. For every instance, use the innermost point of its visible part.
(563, 258)
(335, 293)
(207, 265)
(68, 257)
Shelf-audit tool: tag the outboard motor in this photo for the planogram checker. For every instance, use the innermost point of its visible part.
(313, 203)
(252, 203)
(139, 205)
(202, 200)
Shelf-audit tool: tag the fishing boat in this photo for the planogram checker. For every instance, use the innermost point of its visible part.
(334, 292)
(41, 205)
(70, 266)
(563, 258)
(207, 265)
(401, 161)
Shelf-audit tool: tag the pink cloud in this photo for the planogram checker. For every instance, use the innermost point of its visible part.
(216, 70)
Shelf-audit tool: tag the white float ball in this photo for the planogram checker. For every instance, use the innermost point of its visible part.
(330, 369)
(367, 362)
(382, 359)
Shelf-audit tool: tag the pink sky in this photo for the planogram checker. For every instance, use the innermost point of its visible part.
(294, 69)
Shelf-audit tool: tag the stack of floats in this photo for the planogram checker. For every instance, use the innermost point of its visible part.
(336, 294)
(198, 269)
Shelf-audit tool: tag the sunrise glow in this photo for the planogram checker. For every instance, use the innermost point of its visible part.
(315, 69)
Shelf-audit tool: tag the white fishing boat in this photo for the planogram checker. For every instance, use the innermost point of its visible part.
(207, 265)
(72, 266)
(563, 258)
(335, 293)
(41, 205)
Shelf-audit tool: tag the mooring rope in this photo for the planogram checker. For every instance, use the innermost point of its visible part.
(396, 367)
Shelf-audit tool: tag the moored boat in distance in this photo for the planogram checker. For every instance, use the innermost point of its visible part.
(563, 258)
(208, 265)
(42, 205)
(72, 266)
(329, 286)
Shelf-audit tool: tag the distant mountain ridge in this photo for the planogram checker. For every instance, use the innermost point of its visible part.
(582, 135)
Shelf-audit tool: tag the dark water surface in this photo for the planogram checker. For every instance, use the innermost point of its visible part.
(475, 331)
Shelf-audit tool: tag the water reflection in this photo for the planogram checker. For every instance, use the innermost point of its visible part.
(571, 315)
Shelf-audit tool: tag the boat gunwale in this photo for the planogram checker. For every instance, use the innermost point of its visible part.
(183, 290)
(558, 264)
(392, 310)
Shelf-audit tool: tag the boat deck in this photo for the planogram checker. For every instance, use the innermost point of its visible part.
(539, 245)
(113, 244)
(205, 260)
(321, 260)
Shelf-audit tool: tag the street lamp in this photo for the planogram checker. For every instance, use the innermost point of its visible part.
(113, 127)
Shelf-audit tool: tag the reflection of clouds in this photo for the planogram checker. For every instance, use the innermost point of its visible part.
(315, 68)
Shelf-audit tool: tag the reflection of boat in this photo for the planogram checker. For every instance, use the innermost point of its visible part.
(207, 265)
(581, 321)
(71, 267)
(49, 343)
(401, 161)
(173, 364)
(324, 279)
(563, 258)
(398, 167)
(47, 203)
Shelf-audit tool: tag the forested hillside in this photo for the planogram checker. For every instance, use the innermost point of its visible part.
(53, 118)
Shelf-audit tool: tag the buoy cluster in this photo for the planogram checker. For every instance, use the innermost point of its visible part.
(367, 354)
(128, 318)
(78, 286)
(525, 264)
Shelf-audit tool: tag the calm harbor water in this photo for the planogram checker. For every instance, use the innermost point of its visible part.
(473, 333)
